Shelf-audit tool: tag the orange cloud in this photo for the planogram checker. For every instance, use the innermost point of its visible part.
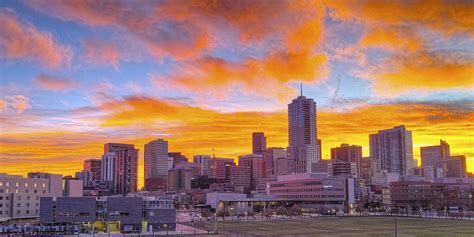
(20, 40)
(395, 39)
(3, 105)
(98, 52)
(53, 83)
(193, 130)
(426, 71)
(274, 72)
(444, 16)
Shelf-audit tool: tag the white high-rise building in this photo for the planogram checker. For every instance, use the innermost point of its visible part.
(303, 149)
(392, 151)
(156, 159)
(108, 166)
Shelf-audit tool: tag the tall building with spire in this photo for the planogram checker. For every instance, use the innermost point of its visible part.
(303, 149)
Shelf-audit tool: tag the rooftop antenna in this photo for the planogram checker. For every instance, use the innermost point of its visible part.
(301, 88)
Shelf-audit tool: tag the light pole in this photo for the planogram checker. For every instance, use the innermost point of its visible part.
(215, 222)
(396, 227)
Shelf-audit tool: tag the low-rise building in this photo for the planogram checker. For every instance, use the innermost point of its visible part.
(20, 196)
(314, 190)
(115, 213)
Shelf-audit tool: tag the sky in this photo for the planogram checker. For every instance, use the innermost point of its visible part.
(206, 74)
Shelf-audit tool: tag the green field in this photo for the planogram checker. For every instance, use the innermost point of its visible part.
(351, 226)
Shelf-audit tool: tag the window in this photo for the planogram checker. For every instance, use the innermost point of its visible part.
(18, 212)
(26, 185)
(1, 197)
(16, 184)
(27, 211)
(1, 184)
(36, 185)
(44, 185)
(18, 198)
(16, 191)
(18, 204)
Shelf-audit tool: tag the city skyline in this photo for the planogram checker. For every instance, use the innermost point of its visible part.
(205, 77)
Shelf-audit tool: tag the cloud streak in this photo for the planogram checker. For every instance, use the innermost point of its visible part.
(53, 83)
(21, 40)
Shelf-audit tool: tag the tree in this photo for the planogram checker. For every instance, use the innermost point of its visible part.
(281, 210)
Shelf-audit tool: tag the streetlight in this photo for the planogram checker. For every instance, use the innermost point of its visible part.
(396, 227)
(215, 222)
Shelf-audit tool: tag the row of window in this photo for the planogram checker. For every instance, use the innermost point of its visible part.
(18, 212)
(19, 205)
(305, 190)
(18, 191)
(310, 196)
(17, 184)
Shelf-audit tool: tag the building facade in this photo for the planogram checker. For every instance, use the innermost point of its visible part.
(156, 159)
(20, 197)
(303, 149)
(240, 176)
(314, 190)
(271, 156)
(126, 214)
(205, 162)
(259, 143)
(392, 151)
(349, 154)
(94, 166)
(432, 155)
(257, 168)
(126, 171)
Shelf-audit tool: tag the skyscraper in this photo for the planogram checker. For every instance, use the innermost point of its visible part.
(119, 167)
(349, 154)
(392, 151)
(432, 155)
(257, 167)
(156, 159)
(108, 167)
(94, 166)
(303, 147)
(108, 159)
(259, 143)
(126, 171)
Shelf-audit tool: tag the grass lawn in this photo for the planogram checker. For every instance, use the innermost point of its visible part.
(353, 226)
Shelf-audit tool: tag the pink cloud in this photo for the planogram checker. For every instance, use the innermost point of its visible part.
(20, 40)
(53, 83)
(18, 103)
(98, 52)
